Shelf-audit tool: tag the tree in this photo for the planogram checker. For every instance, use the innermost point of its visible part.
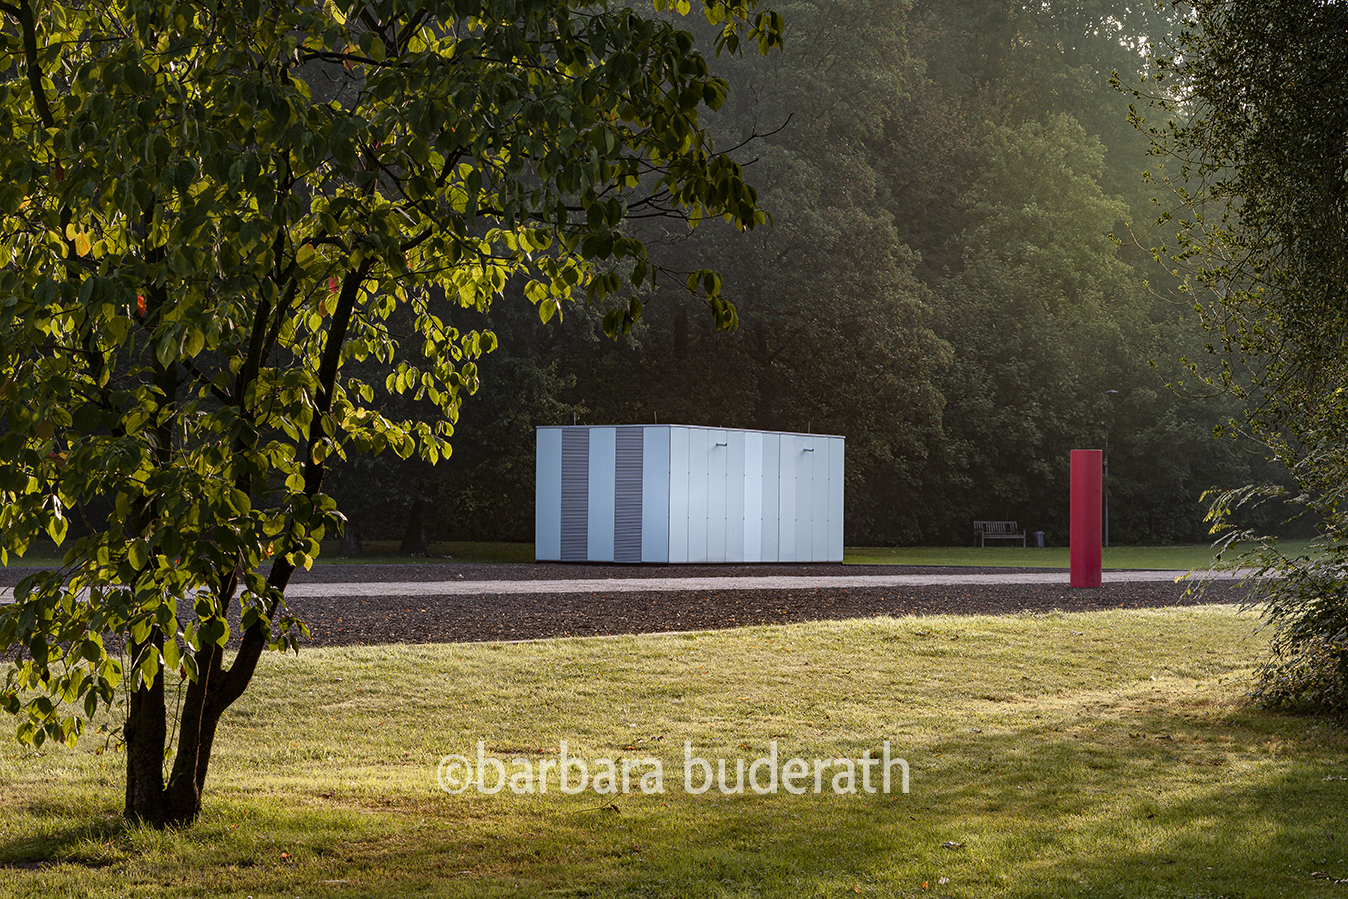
(1036, 317)
(886, 144)
(207, 212)
(1045, 317)
(487, 493)
(1253, 105)
(834, 333)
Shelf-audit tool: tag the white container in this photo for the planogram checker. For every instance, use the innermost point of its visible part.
(675, 493)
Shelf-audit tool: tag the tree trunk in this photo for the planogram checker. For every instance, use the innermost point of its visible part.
(681, 332)
(148, 798)
(414, 535)
(351, 545)
(196, 736)
(145, 733)
(146, 730)
(765, 398)
(178, 802)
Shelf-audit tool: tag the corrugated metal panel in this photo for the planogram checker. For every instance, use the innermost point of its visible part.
(835, 499)
(803, 512)
(655, 495)
(575, 493)
(548, 496)
(788, 495)
(734, 498)
(772, 498)
(681, 494)
(699, 479)
(627, 495)
(819, 501)
(678, 494)
(718, 471)
(753, 497)
(600, 533)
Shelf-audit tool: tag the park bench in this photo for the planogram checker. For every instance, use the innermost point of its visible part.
(997, 530)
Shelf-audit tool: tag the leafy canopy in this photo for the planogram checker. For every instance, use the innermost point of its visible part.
(1255, 100)
(206, 209)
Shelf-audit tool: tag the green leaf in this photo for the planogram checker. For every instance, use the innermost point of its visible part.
(148, 669)
(240, 501)
(171, 654)
(213, 631)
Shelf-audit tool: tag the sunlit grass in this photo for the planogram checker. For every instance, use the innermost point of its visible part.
(1100, 754)
(386, 552)
(44, 554)
(1170, 558)
(1162, 557)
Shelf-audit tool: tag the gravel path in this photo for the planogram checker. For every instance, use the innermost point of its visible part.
(467, 603)
(739, 582)
(452, 602)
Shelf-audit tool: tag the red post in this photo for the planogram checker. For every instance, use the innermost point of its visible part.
(1087, 491)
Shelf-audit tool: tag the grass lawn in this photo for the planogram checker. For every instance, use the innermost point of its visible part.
(1136, 557)
(1162, 557)
(1095, 755)
(45, 554)
(386, 551)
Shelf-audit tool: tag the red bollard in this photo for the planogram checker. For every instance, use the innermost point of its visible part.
(1087, 482)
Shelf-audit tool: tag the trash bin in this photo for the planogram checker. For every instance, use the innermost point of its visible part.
(1039, 539)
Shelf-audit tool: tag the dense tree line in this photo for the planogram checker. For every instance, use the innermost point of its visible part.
(949, 280)
(1248, 108)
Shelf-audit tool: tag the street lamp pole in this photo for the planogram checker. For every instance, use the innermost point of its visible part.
(1108, 393)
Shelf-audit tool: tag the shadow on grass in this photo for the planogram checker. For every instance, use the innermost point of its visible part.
(1116, 797)
(64, 837)
(385, 552)
(1153, 804)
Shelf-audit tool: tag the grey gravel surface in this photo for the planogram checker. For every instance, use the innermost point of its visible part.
(447, 602)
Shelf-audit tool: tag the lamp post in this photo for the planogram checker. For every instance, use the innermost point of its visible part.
(1108, 415)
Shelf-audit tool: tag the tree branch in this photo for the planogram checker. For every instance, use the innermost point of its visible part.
(250, 650)
(24, 13)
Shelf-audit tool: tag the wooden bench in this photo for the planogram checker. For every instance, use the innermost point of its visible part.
(997, 530)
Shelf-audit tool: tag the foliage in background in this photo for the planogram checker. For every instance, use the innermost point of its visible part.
(486, 490)
(223, 230)
(1256, 156)
(938, 285)
(1042, 310)
(835, 330)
